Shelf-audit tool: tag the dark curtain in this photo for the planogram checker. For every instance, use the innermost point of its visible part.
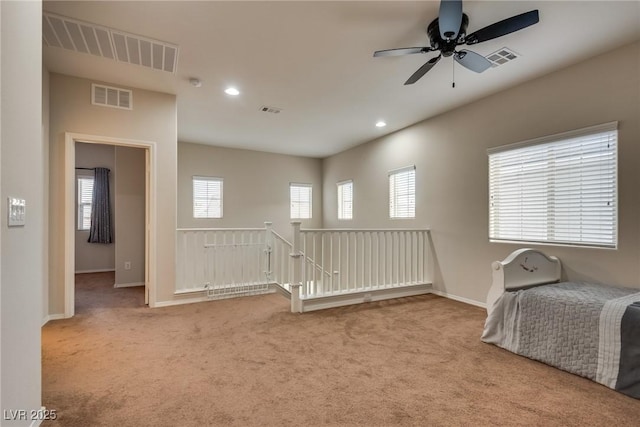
(100, 231)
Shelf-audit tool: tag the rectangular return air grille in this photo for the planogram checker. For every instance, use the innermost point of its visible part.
(502, 56)
(84, 37)
(108, 96)
(273, 110)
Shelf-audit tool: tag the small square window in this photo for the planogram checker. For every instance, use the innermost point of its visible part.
(300, 198)
(207, 197)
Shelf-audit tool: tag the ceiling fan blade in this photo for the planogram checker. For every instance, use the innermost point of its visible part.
(450, 18)
(472, 60)
(423, 70)
(504, 27)
(402, 51)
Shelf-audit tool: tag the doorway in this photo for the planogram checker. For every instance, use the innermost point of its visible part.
(147, 222)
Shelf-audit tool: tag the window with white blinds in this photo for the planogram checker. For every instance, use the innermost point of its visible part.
(345, 200)
(559, 190)
(300, 196)
(207, 197)
(402, 193)
(85, 197)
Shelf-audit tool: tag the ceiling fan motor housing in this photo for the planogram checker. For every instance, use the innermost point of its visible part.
(446, 47)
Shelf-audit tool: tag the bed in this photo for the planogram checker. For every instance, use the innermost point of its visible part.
(591, 330)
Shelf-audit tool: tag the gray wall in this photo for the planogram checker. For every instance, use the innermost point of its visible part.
(21, 175)
(449, 152)
(255, 189)
(129, 215)
(91, 257)
(153, 118)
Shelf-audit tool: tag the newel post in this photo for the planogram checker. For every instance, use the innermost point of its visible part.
(269, 235)
(296, 277)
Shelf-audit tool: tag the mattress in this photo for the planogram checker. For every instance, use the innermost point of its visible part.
(586, 329)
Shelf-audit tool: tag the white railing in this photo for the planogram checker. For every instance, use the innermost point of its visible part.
(223, 261)
(338, 261)
(353, 265)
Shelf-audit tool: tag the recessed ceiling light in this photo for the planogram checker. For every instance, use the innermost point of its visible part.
(381, 124)
(232, 91)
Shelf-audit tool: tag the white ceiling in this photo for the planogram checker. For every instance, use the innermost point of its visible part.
(314, 60)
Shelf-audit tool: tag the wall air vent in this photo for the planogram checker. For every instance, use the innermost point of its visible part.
(84, 37)
(502, 56)
(114, 97)
(273, 110)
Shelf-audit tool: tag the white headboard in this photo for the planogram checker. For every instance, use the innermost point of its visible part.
(522, 268)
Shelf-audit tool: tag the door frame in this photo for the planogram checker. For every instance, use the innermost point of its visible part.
(70, 209)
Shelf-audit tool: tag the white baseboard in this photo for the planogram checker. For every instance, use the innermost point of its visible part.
(103, 270)
(460, 299)
(371, 295)
(277, 289)
(52, 317)
(319, 306)
(128, 285)
(180, 301)
(189, 291)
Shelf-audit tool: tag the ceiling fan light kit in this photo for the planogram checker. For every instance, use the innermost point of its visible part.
(449, 30)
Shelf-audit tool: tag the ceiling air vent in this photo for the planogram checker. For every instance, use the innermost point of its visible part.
(114, 97)
(273, 110)
(84, 37)
(146, 52)
(502, 56)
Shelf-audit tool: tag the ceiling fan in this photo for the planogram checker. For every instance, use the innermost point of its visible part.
(449, 30)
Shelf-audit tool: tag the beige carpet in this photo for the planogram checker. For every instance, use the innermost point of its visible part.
(249, 361)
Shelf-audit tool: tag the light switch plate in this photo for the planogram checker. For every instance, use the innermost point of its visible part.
(16, 212)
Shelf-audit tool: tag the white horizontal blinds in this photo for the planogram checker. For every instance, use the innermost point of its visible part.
(562, 192)
(345, 200)
(402, 193)
(85, 196)
(207, 197)
(300, 196)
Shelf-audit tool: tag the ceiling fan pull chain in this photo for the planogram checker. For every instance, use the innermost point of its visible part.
(453, 74)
